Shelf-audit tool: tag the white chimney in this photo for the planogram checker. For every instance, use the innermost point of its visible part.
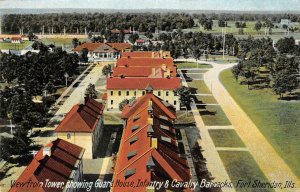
(47, 151)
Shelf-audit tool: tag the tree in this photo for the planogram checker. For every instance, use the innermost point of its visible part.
(133, 37)
(106, 70)
(222, 23)
(75, 42)
(185, 96)
(286, 45)
(208, 24)
(122, 104)
(285, 82)
(236, 71)
(257, 26)
(84, 55)
(91, 91)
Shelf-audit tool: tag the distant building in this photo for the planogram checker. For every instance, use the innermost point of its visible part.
(58, 161)
(83, 126)
(149, 149)
(25, 38)
(119, 89)
(103, 51)
(151, 72)
(117, 31)
(147, 54)
(16, 40)
(286, 22)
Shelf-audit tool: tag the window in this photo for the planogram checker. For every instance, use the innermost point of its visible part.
(127, 93)
(131, 154)
(111, 93)
(167, 93)
(129, 172)
(167, 101)
(68, 136)
(175, 102)
(135, 127)
(143, 92)
(120, 93)
(133, 140)
(166, 139)
(158, 93)
(112, 102)
(134, 93)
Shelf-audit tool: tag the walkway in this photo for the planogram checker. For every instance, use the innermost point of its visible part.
(214, 162)
(269, 161)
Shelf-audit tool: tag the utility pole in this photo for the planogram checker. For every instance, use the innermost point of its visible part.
(224, 39)
(0, 25)
(66, 76)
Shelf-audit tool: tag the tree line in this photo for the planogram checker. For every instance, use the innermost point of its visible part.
(95, 22)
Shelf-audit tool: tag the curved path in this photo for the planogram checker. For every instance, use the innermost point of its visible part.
(269, 161)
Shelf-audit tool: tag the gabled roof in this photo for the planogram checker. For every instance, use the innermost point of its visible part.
(144, 62)
(154, 155)
(95, 46)
(57, 167)
(82, 118)
(116, 83)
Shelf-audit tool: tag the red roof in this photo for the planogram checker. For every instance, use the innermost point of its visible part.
(16, 38)
(104, 96)
(140, 41)
(144, 62)
(57, 167)
(139, 158)
(94, 46)
(132, 71)
(121, 31)
(145, 54)
(82, 118)
(116, 83)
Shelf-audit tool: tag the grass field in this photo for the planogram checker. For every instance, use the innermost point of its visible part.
(206, 99)
(225, 138)
(278, 120)
(14, 46)
(241, 166)
(63, 42)
(192, 65)
(183, 118)
(213, 115)
(200, 86)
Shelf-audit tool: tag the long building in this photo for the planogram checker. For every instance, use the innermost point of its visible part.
(119, 89)
(83, 126)
(146, 54)
(148, 150)
(145, 62)
(58, 161)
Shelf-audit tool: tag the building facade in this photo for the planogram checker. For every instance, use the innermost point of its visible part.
(83, 126)
(119, 89)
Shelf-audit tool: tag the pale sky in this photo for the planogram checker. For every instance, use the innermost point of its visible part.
(242, 5)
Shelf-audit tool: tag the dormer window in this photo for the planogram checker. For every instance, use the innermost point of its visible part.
(129, 172)
(131, 154)
(150, 164)
(150, 110)
(165, 127)
(166, 139)
(133, 140)
(136, 118)
(163, 117)
(135, 127)
(150, 130)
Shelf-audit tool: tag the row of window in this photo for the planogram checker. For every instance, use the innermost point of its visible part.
(175, 103)
(134, 93)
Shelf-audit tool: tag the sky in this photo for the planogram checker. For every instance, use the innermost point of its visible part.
(236, 5)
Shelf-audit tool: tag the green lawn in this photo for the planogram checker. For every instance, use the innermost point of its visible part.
(213, 115)
(195, 76)
(225, 138)
(241, 166)
(14, 46)
(200, 86)
(192, 65)
(279, 121)
(206, 99)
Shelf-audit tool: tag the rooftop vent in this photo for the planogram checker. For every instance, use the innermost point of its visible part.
(136, 118)
(133, 140)
(131, 154)
(135, 127)
(150, 130)
(150, 164)
(47, 151)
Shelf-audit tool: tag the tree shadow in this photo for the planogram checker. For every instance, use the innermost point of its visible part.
(291, 96)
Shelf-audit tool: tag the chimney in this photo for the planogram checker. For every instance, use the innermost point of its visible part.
(150, 120)
(168, 73)
(47, 151)
(153, 54)
(153, 71)
(154, 143)
(164, 67)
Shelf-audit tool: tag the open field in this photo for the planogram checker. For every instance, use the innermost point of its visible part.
(213, 115)
(63, 42)
(278, 120)
(192, 65)
(240, 165)
(14, 46)
(225, 138)
(277, 33)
